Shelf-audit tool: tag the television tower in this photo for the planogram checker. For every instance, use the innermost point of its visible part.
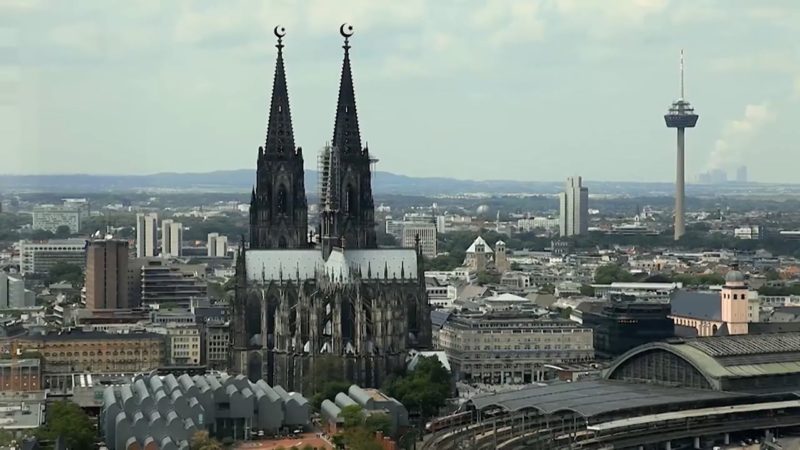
(681, 115)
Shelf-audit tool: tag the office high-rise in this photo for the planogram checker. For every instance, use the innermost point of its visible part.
(107, 274)
(171, 238)
(574, 206)
(741, 174)
(217, 245)
(425, 234)
(146, 234)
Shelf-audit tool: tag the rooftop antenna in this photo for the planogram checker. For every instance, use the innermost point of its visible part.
(682, 93)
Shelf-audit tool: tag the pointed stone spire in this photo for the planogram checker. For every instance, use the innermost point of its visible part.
(346, 134)
(280, 135)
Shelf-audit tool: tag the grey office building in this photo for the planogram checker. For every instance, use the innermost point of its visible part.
(574, 207)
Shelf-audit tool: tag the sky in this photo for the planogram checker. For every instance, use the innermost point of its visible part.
(532, 90)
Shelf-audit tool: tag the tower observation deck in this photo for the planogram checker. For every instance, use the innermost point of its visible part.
(681, 115)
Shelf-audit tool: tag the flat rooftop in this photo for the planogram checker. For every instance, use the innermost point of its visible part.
(20, 411)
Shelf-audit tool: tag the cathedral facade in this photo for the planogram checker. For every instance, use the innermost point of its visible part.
(332, 307)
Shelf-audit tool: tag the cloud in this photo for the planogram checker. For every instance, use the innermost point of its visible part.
(765, 61)
(510, 21)
(737, 136)
(608, 19)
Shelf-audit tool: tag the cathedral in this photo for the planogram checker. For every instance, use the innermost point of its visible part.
(309, 306)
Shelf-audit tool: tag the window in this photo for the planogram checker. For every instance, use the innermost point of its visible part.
(283, 200)
(349, 200)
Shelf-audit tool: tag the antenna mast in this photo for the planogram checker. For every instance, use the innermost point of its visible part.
(682, 93)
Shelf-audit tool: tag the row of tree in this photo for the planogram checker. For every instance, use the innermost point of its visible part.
(610, 273)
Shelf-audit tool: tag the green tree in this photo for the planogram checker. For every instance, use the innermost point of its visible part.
(658, 278)
(587, 290)
(201, 440)
(327, 370)
(378, 421)
(328, 391)
(488, 278)
(338, 440)
(359, 438)
(41, 235)
(67, 420)
(62, 232)
(385, 239)
(610, 273)
(352, 416)
(772, 275)
(425, 389)
(62, 271)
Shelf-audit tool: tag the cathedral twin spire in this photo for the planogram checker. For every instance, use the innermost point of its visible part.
(346, 135)
(278, 210)
(280, 135)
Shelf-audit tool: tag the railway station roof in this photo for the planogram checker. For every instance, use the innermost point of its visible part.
(728, 357)
(599, 397)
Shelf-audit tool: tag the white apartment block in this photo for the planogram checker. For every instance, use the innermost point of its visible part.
(146, 235)
(171, 239)
(217, 245)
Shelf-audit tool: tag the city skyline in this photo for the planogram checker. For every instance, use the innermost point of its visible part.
(116, 92)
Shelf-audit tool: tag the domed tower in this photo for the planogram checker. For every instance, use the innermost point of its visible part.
(733, 302)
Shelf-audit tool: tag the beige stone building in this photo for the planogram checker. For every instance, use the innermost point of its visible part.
(511, 347)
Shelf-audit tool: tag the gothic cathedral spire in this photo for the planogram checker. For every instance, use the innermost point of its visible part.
(278, 210)
(349, 212)
(346, 135)
(280, 136)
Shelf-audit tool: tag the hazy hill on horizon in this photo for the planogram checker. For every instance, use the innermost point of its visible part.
(242, 180)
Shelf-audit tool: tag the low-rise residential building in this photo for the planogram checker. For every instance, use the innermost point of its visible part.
(510, 347)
